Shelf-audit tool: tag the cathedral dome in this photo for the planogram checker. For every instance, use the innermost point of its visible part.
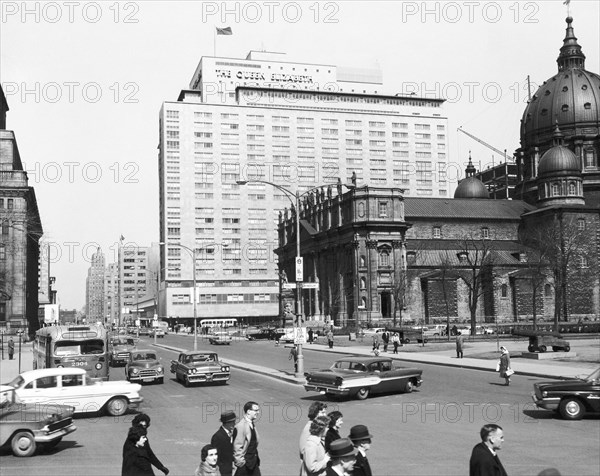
(471, 186)
(570, 98)
(559, 160)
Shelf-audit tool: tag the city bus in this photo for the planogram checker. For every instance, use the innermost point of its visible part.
(85, 347)
(223, 323)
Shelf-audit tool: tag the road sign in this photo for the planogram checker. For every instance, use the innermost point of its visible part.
(299, 269)
(310, 285)
(299, 335)
(289, 285)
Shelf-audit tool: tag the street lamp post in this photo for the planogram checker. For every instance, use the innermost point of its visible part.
(193, 253)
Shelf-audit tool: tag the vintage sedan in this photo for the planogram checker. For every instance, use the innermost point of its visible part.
(264, 333)
(144, 366)
(219, 338)
(25, 428)
(572, 399)
(72, 386)
(360, 377)
(200, 367)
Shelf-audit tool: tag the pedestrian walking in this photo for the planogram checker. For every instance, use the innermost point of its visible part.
(310, 335)
(245, 442)
(330, 338)
(336, 421)
(385, 337)
(504, 365)
(136, 459)
(395, 342)
(314, 456)
(294, 356)
(460, 342)
(375, 342)
(208, 466)
(222, 440)
(343, 458)
(141, 420)
(361, 438)
(11, 348)
(316, 409)
(484, 457)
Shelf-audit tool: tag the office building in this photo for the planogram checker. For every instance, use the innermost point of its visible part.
(94, 295)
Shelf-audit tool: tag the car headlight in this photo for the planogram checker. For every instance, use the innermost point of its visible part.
(544, 394)
(98, 366)
(225, 369)
(60, 366)
(159, 369)
(134, 371)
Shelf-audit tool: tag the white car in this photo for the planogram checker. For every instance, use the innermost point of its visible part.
(72, 386)
(372, 331)
(222, 338)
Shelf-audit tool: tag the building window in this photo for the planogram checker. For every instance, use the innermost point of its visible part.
(555, 190)
(437, 232)
(583, 262)
(384, 258)
(383, 209)
(485, 233)
(363, 283)
(581, 224)
(548, 290)
(572, 188)
(504, 291)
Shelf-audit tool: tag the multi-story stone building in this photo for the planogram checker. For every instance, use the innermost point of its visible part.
(95, 291)
(292, 124)
(111, 293)
(21, 230)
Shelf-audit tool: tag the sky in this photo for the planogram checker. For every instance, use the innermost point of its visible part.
(85, 82)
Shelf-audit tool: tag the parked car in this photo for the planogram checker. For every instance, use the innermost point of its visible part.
(120, 348)
(144, 331)
(72, 386)
(572, 399)
(219, 338)
(541, 342)
(434, 330)
(360, 377)
(264, 333)
(372, 331)
(144, 366)
(158, 331)
(200, 367)
(285, 334)
(26, 427)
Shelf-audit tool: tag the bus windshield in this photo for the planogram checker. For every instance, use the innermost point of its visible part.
(87, 347)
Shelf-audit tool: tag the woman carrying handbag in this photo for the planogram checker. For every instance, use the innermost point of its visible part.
(505, 370)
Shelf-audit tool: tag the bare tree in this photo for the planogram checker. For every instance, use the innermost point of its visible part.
(475, 261)
(447, 273)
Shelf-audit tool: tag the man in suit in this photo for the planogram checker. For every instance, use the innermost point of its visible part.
(484, 458)
(245, 442)
(222, 440)
(361, 438)
(343, 457)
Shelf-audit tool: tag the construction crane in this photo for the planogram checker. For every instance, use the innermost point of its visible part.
(498, 151)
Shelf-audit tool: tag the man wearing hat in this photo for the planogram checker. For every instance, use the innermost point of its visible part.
(361, 438)
(222, 440)
(343, 457)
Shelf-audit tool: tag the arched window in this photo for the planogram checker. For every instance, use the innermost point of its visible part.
(572, 188)
(363, 261)
(548, 290)
(504, 290)
(363, 301)
(555, 190)
(581, 224)
(363, 283)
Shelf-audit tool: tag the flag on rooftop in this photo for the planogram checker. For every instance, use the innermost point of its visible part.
(566, 2)
(224, 31)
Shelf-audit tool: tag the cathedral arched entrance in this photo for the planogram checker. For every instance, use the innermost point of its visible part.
(386, 304)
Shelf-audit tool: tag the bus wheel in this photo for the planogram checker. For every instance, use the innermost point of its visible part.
(117, 406)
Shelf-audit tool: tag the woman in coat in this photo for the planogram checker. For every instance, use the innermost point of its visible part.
(314, 456)
(208, 464)
(136, 461)
(333, 433)
(504, 365)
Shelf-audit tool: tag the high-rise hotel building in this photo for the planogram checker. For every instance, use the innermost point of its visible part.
(296, 125)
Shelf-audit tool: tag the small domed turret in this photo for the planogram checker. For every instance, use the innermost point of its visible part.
(471, 186)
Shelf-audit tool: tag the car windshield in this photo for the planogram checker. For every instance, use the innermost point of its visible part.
(202, 358)
(594, 376)
(65, 348)
(123, 342)
(144, 356)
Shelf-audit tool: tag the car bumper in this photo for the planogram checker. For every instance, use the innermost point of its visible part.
(326, 390)
(135, 402)
(45, 437)
(145, 378)
(546, 403)
(196, 378)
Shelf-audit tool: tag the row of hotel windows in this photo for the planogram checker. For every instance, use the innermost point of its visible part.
(184, 298)
(173, 274)
(308, 120)
(10, 203)
(172, 135)
(485, 231)
(350, 149)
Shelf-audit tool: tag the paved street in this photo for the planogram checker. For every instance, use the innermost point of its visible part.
(430, 431)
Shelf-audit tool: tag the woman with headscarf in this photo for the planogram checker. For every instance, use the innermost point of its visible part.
(505, 365)
(136, 461)
(333, 433)
(314, 456)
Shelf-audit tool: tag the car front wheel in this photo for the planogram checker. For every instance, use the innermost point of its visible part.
(23, 444)
(117, 406)
(542, 348)
(363, 393)
(408, 386)
(571, 409)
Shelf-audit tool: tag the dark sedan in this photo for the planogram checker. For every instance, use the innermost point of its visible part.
(572, 399)
(360, 377)
(264, 334)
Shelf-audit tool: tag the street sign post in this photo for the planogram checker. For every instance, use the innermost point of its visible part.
(299, 269)
(299, 335)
